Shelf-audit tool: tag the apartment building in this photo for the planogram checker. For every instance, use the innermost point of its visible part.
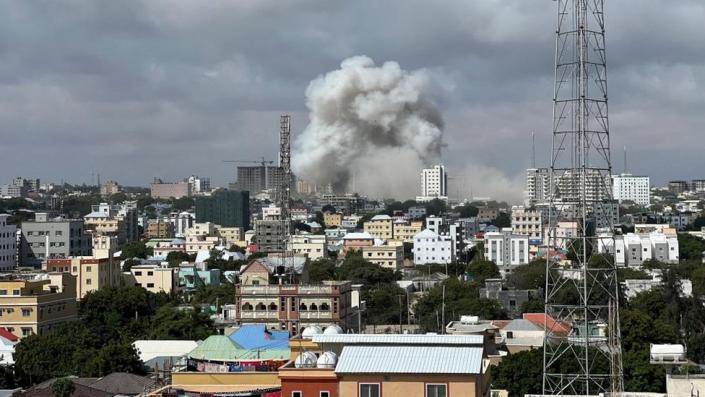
(48, 237)
(434, 184)
(30, 307)
(634, 249)
(295, 307)
(380, 226)
(8, 244)
(506, 249)
(628, 187)
(527, 221)
(153, 278)
(109, 188)
(311, 245)
(165, 190)
(388, 256)
(430, 247)
(159, 228)
(227, 208)
(114, 220)
(333, 219)
(487, 214)
(269, 236)
(230, 235)
(537, 186)
(91, 274)
(357, 241)
(405, 231)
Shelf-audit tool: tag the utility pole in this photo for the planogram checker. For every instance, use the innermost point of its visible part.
(443, 311)
(401, 331)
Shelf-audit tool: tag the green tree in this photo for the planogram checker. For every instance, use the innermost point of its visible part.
(360, 271)
(175, 258)
(436, 207)
(466, 211)
(690, 247)
(533, 305)
(529, 276)
(321, 270)
(519, 373)
(62, 387)
(503, 219)
(182, 204)
(482, 270)
(127, 265)
(222, 294)
(172, 323)
(135, 249)
(385, 304)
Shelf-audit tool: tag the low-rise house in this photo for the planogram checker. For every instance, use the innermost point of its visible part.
(511, 299)
(314, 246)
(356, 241)
(388, 256)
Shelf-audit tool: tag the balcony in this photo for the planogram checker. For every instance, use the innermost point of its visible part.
(306, 315)
(315, 289)
(256, 314)
(259, 290)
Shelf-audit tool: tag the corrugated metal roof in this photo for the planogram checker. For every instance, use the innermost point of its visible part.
(400, 339)
(522, 325)
(409, 360)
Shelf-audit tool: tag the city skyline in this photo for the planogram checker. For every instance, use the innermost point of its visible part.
(142, 89)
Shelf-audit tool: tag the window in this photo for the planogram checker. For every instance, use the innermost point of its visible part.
(138, 273)
(297, 394)
(436, 390)
(16, 292)
(26, 312)
(325, 394)
(150, 273)
(88, 281)
(3, 292)
(150, 285)
(26, 331)
(369, 390)
(88, 268)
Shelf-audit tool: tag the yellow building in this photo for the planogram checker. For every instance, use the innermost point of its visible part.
(230, 235)
(405, 232)
(152, 278)
(160, 228)
(91, 273)
(311, 245)
(35, 306)
(386, 256)
(332, 219)
(380, 226)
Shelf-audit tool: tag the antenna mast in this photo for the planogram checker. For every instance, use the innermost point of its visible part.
(581, 297)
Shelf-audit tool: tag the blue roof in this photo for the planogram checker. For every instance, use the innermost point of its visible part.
(253, 336)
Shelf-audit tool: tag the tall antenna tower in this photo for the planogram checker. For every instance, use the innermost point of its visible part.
(285, 188)
(581, 297)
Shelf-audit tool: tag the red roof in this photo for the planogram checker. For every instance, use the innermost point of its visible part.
(548, 323)
(8, 335)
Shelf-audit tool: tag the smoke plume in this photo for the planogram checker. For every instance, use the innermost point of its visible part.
(372, 128)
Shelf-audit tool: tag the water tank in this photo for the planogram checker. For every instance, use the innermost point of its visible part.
(469, 319)
(333, 329)
(667, 353)
(305, 360)
(308, 332)
(327, 360)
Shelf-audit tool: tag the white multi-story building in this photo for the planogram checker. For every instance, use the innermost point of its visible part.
(506, 249)
(429, 247)
(314, 246)
(527, 221)
(537, 186)
(434, 184)
(8, 244)
(633, 249)
(198, 184)
(628, 187)
(182, 221)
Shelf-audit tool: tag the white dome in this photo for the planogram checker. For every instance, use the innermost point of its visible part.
(327, 360)
(305, 360)
(333, 329)
(308, 332)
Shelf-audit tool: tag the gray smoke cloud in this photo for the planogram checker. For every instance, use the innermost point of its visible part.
(371, 126)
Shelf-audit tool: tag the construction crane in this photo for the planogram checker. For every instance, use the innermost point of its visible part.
(263, 162)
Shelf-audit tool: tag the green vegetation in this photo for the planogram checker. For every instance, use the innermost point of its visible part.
(100, 341)
(690, 247)
(135, 249)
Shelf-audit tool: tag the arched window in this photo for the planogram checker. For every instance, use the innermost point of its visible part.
(247, 307)
(313, 306)
(302, 307)
(272, 306)
(261, 306)
(325, 307)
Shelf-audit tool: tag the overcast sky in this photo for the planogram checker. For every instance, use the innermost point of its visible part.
(166, 88)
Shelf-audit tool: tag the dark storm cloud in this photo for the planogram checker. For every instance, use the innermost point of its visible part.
(136, 89)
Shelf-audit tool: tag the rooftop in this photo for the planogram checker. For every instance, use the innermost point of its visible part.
(400, 339)
(410, 360)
